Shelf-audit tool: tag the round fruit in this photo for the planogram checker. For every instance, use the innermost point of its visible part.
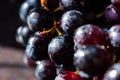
(45, 70)
(37, 46)
(116, 3)
(113, 73)
(69, 5)
(61, 50)
(71, 20)
(89, 34)
(26, 7)
(22, 35)
(39, 19)
(114, 37)
(112, 15)
(92, 60)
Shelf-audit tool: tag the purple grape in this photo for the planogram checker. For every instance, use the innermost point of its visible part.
(92, 60)
(89, 34)
(113, 73)
(69, 5)
(112, 15)
(39, 19)
(114, 37)
(37, 46)
(45, 70)
(25, 7)
(22, 35)
(61, 50)
(71, 20)
(116, 3)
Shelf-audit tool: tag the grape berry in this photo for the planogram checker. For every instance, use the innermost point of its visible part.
(71, 39)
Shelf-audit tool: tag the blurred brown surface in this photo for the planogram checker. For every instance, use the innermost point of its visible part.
(12, 66)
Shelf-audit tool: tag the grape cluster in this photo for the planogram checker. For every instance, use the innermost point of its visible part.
(72, 39)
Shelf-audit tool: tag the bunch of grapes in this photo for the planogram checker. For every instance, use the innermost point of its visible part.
(72, 39)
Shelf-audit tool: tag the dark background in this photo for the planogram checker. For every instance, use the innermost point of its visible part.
(11, 55)
(9, 22)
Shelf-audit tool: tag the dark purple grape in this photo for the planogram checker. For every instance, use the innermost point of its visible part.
(113, 73)
(22, 35)
(39, 19)
(69, 5)
(61, 50)
(25, 7)
(112, 15)
(92, 60)
(114, 38)
(116, 3)
(45, 70)
(50, 4)
(84, 5)
(93, 5)
(79, 43)
(89, 34)
(67, 75)
(71, 20)
(37, 46)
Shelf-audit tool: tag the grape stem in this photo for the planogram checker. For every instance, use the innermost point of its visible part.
(57, 9)
(44, 5)
(99, 15)
(46, 31)
(53, 28)
(55, 24)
